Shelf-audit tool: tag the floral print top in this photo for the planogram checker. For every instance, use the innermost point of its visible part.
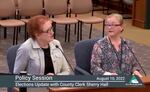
(105, 59)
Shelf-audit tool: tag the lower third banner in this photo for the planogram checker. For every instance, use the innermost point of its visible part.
(69, 81)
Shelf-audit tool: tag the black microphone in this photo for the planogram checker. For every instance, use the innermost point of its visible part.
(82, 71)
(135, 58)
(65, 57)
(77, 68)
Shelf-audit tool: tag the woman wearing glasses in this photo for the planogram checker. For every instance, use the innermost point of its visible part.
(113, 55)
(41, 53)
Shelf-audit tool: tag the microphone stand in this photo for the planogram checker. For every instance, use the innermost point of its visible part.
(65, 57)
(82, 71)
(77, 68)
(135, 58)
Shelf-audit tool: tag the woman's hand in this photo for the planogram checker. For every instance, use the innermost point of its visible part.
(109, 73)
(137, 73)
(114, 74)
(15, 89)
(50, 74)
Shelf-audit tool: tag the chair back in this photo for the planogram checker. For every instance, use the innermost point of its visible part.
(55, 7)
(30, 7)
(7, 8)
(81, 6)
(83, 51)
(11, 56)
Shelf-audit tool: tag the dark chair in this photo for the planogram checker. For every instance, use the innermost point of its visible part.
(83, 51)
(11, 55)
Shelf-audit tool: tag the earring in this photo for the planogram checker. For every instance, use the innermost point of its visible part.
(122, 30)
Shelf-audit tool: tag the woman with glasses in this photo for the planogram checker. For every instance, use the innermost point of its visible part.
(41, 53)
(112, 55)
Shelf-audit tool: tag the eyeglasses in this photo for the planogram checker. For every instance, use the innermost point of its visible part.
(112, 25)
(48, 30)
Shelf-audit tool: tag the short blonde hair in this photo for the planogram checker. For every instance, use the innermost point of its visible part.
(117, 16)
